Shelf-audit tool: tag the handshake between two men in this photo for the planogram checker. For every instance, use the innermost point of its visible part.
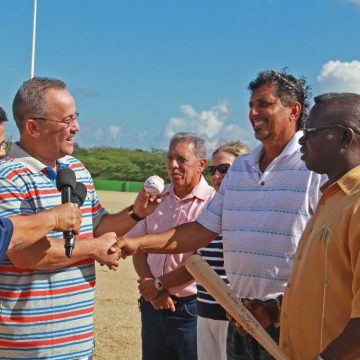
(31, 247)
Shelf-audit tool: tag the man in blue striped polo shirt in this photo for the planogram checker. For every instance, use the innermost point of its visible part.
(262, 207)
(47, 299)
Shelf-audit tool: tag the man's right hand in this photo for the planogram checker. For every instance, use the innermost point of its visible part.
(67, 217)
(128, 246)
(106, 250)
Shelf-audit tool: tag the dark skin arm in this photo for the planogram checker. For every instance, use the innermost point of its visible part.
(347, 345)
(184, 238)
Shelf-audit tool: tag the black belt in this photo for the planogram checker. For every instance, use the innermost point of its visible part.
(184, 298)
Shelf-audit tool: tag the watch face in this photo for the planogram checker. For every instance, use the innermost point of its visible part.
(158, 284)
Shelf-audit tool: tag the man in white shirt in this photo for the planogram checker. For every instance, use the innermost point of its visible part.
(262, 207)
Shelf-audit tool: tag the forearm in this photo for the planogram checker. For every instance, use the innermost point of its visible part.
(124, 221)
(184, 238)
(29, 229)
(347, 345)
(177, 277)
(49, 254)
(141, 266)
(120, 223)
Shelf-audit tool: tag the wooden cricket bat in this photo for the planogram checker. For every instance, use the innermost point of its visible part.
(213, 283)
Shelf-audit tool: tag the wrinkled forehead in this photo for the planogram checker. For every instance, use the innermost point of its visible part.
(181, 146)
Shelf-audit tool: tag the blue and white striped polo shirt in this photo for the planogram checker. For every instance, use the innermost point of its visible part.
(261, 216)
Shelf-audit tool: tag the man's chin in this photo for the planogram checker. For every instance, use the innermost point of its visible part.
(260, 134)
(68, 150)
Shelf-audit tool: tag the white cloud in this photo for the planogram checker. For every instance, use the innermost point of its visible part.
(141, 136)
(355, 2)
(337, 76)
(98, 134)
(209, 123)
(174, 126)
(115, 132)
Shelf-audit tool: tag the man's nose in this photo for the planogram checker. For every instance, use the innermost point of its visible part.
(75, 126)
(253, 112)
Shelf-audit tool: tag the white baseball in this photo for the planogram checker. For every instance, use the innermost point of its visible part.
(154, 185)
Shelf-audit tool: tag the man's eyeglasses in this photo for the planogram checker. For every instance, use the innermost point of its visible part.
(222, 169)
(312, 130)
(68, 121)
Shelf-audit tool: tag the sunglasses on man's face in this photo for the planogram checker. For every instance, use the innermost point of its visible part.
(222, 169)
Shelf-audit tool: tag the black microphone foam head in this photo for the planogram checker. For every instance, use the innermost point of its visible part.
(65, 177)
(79, 194)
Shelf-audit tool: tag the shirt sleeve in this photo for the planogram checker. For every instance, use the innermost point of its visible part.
(6, 231)
(13, 199)
(211, 217)
(139, 229)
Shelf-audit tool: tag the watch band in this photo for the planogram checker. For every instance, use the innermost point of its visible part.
(158, 284)
(133, 215)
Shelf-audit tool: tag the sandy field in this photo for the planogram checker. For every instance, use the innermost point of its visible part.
(117, 319)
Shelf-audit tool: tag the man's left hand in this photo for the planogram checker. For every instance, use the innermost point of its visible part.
(147, 289)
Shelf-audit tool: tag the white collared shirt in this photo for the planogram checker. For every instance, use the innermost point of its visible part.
(261, 216)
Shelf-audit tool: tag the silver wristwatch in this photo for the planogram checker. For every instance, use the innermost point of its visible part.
(319, 357)
(158, 284)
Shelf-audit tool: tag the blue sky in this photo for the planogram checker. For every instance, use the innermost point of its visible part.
(143, 70)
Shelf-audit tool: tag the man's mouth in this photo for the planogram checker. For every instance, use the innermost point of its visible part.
(258, 124)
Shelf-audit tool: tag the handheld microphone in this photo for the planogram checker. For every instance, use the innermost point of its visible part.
(79, 194)
(66, 182)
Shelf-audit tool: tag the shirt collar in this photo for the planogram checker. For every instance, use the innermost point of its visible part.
(34, 165)
(201, 190)
(348, 183)
(292, 147)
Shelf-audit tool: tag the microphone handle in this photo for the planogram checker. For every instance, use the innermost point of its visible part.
(68, 236)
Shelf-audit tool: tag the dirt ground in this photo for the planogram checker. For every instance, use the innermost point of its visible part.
(117, 319)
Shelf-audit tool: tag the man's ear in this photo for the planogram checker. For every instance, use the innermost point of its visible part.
(295, 111)
(202, 164)
(348, 136)
(32, 127)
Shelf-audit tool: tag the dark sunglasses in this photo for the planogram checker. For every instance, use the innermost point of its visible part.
(312, 130)
(222, 169)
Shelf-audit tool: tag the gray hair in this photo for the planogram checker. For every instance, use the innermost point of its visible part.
(198, 142)
(30, 98)
(235, 148)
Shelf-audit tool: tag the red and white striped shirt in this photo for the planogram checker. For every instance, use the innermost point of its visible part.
(45, 314)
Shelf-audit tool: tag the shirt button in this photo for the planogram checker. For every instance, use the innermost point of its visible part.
(284, 315)
(262, 183)
(285, 344)
(299, 257)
